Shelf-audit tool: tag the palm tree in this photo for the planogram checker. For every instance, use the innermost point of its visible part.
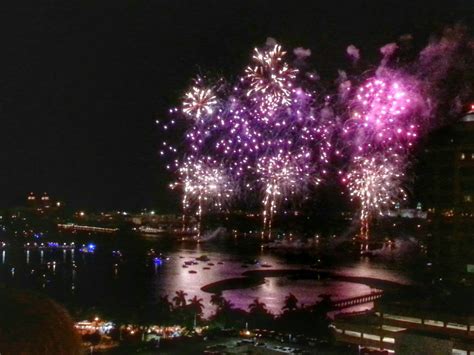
(165, 303)
(227, 305)
(217, 299)
(291, 303)
(259, 315)
(180, 298)
(257, 307)
(196, 305)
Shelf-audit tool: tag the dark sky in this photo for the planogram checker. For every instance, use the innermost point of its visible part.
(82, 82)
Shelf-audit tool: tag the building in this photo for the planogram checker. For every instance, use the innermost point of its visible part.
(414, 325)
(445, 186)
(41, 203)
(445, 174)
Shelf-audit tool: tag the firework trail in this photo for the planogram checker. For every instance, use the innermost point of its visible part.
(290, 141)
(385, 117)
(282, 176)
(376, 183)
(204, 184)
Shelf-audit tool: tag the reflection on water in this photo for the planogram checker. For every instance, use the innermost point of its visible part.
(107, 282)
(365, 268)
(275, 289)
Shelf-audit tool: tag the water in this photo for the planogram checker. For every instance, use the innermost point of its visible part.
(107, 284)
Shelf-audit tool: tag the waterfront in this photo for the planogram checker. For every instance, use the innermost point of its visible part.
(118, 275)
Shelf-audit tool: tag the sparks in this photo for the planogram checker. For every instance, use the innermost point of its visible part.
(205, 185)
(281, 176)
(271, 77)
(376, 182)
(199, 102)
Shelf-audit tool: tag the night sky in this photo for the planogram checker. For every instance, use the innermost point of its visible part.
(82, 82)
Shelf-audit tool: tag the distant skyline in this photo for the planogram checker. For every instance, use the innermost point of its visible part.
(83, 83)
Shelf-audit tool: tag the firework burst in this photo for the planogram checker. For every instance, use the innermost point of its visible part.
(205, 185)
(376, 182)
(199, 102)
(271, 79)
(282, 176)
(384, 113)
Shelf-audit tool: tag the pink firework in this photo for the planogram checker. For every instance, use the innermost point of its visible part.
(384, 114)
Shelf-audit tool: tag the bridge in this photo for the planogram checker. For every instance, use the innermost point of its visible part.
(354, 301)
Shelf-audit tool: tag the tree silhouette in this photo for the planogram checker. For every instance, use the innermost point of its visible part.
(227, 305)
(196, 306)
(217, 299)
(228, 316)
(257, 307)
(259, 315)
(165, 306)
(180, 298)
(291, 303)
(33, 324)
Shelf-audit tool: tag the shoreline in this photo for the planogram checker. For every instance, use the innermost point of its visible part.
(253, 278)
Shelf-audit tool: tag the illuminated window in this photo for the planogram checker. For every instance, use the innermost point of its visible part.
(434, 323)
(371, 337)
(463, 156)
(402, 318)
(467, 198)
(456, 326)
(352, 333)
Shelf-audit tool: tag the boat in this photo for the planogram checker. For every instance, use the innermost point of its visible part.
(251, 261)
(203, 258)
(192, 272)
(150, 230)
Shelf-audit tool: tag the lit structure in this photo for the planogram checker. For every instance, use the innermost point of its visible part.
(42, 203)
(447, 167)
(85, 228)
(393, 325)
(445, 185)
